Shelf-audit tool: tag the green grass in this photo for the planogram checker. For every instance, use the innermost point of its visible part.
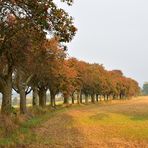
(24, 134)
(125, 126)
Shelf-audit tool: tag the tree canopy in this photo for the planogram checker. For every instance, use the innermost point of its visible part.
(31, 62)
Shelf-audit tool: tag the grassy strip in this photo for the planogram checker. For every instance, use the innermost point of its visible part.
(24, 134)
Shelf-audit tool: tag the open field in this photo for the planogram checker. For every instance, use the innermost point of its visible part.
(119, 124)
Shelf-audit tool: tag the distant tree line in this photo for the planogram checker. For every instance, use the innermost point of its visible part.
(145, 88)
(30, 62)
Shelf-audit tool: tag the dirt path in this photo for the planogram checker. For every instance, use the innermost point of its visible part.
(95, 126)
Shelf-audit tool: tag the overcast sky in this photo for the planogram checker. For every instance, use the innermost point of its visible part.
(113, 33)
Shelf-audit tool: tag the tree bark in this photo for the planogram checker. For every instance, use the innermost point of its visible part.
(42, 97)
(23, 108)
(73, 99)
(22, 92)
(97, 97)
(86, 98)
(120, 96)
(107, 97)
(35, 96)
(81, 97)
(6, 95)
(78, 98)
(66, 99)
(52, 99)
(93, 98)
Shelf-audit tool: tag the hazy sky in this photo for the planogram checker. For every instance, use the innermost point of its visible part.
(113, 33)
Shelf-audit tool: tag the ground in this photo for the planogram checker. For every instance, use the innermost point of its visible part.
(117, 124)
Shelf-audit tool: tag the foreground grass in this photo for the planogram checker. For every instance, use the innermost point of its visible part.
(113, 124)
(24, 134)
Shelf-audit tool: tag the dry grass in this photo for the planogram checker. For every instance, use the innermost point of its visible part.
(117, 124)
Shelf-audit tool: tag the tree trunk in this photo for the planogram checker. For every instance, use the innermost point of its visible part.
(35, 96)
(66, 99)
(81, 97)
(73, 98)
(107, 97)
(120, 96)
(42, 97)
(104, 97)
(52, 99)
(86, 98)
(78, 98)
(22, 92)
(92, 98)
(7, 93)
(97, 97)
(23, 108)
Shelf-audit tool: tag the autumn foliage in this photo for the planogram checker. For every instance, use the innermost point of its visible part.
(29, 62)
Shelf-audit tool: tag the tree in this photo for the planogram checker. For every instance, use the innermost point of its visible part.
(67, 86)
(24, 66)
(19, 15)
(55, 70)
(76, 80)
(145, 88)
(47, 73)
